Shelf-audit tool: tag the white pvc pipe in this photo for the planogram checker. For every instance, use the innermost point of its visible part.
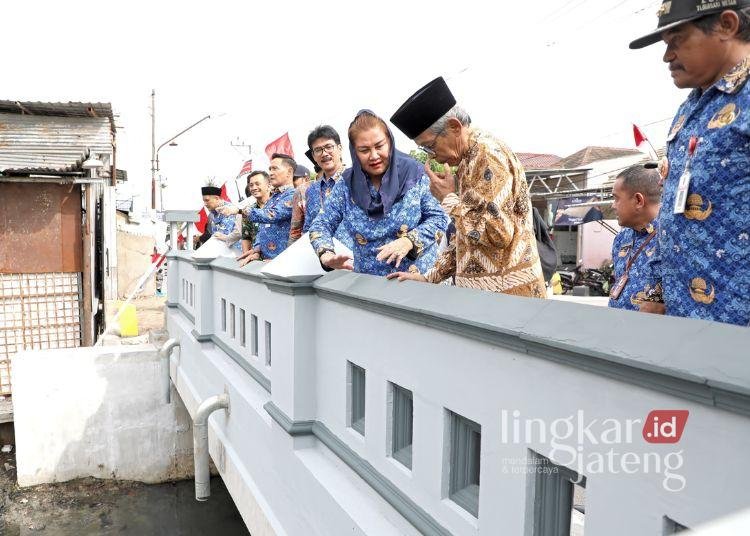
(164, 353)
(200, 443)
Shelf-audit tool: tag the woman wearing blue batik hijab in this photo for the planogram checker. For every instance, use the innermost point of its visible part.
(384, 203)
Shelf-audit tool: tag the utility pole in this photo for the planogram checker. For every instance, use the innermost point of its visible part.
(153, 149)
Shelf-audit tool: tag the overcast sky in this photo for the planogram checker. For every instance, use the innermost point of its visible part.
(550, 76)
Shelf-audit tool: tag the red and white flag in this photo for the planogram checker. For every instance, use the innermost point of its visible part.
(247, 167)
(281, 145)
(641, 141)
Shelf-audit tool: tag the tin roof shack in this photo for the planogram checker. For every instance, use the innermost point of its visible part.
(58, 258)
(584, 177)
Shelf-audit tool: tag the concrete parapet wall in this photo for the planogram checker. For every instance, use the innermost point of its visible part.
(98, 412)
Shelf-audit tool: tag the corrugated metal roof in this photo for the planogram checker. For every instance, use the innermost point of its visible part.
(43, 144)
(60, 109)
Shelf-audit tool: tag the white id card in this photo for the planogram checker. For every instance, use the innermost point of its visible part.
(680, 198)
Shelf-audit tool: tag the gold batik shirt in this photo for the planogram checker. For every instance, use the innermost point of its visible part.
(494, 246)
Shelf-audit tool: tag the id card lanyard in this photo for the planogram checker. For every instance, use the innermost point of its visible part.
(680, 198)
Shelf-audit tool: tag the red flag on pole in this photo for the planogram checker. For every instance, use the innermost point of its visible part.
(202, 220)
(247, 167)
(281, 145)
(639, 136)
(223, 194)
(641, 141)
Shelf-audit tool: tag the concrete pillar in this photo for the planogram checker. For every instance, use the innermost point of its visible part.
(204, 298)
(293, 342)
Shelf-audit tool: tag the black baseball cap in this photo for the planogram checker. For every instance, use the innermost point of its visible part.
(672, 13)
(301, 171)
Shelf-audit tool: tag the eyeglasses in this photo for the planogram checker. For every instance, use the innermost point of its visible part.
(328, 147)
(429, 148)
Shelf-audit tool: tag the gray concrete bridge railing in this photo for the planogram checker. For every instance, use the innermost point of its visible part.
(368, 406)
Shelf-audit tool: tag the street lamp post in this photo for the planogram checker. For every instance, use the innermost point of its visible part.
(155, 151)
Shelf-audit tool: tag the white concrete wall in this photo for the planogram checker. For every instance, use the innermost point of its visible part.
(98, 412)
(289, 484)
(478, 381)
(596, 243)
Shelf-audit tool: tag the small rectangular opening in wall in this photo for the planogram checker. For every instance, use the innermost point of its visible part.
(673, 527)
(559, 498)
(401, 416)
(192, 293)
(355, 398)
(464, 468)
(242, 328)
(268, 343)
(254, 335)
(232, 323)
(223, 315)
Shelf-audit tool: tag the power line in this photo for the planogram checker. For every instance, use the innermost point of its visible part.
(560, 9)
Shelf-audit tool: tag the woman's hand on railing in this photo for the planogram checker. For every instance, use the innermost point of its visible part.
(394, 252)
(337, 262)
(407, 276)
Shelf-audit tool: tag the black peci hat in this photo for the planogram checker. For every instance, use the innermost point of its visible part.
(210, 190)
(421, 110)
(672, 13)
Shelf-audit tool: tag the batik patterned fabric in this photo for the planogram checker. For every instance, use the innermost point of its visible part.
(494, 248)
(273, 221)
(417, 215)
(643, 278)
(226, 225)
(309, 201)
(706, 250)
(250, 229)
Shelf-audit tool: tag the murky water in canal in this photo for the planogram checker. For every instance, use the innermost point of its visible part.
(164, 510)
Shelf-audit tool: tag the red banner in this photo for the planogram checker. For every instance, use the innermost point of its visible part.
(281, 145)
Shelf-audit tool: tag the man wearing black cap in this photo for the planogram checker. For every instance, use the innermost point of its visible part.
(301, 176)
(226, 228)
(704, 221)
(494, 246)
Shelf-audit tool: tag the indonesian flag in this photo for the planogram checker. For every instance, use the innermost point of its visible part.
(281, 145)
(247, 167)
(641, 141)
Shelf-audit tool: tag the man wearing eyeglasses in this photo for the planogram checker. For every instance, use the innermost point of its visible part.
(494, 246)
(309, 200)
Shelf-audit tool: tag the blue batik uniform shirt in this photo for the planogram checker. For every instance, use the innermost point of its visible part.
(643, 277)
(417, 215)
(274, 221)
(226, 225)
(706, 250)
(316, 197)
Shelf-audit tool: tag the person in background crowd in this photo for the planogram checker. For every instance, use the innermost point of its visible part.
(494, 246)
(274, 218)
(259, 188)
(635, 250)
(301, 176)
(310, 198)
(384, 203)
(226, 228)
(704, 221)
